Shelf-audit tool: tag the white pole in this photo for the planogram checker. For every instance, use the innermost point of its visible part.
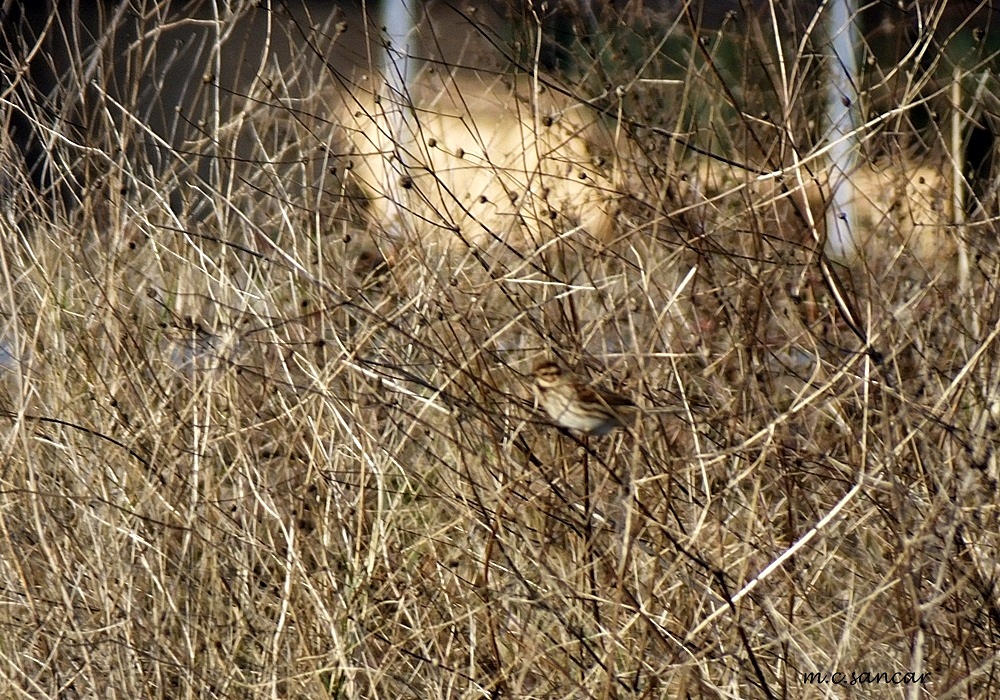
(395, 111)
(397, 61)
(842, 105)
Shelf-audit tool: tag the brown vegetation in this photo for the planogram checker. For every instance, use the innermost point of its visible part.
(477, 159)
(267, 435)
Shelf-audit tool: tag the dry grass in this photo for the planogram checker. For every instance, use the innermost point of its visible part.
(257, 445)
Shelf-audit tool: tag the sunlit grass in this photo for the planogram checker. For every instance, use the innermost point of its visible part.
(261, 441)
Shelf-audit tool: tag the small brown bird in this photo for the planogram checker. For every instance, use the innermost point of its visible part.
(573, 404)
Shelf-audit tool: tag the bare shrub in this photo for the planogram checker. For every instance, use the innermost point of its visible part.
(268, 426)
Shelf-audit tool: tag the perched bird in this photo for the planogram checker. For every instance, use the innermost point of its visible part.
(573, 404)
